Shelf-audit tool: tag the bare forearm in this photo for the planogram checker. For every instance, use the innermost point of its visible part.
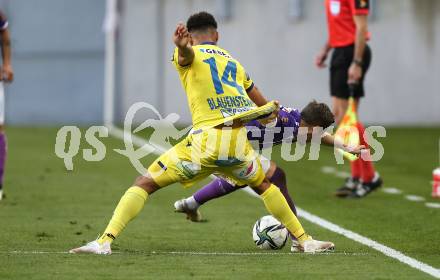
(257, 97)
(326, 48)
(329, 140)
(361, 37)
(6, 47)
(359, 46)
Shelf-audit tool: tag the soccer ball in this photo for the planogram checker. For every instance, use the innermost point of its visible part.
(269, 233)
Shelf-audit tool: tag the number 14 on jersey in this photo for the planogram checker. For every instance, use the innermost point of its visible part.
(229, 76)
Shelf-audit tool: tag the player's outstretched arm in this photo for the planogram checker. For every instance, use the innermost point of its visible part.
(272, 119)
(329, 140)
(181, 39)
(257, 97)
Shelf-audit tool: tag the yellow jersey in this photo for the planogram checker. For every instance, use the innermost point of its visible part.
(216, 86)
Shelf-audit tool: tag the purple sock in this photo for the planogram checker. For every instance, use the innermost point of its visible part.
(2, 156)
(217, 188)
(279, 179)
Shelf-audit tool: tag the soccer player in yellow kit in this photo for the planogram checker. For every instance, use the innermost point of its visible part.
(218, 91)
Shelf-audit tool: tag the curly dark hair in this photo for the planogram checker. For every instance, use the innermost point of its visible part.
(201, 21)
(317, 114)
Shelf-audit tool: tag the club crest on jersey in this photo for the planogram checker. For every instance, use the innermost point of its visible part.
(335, 7)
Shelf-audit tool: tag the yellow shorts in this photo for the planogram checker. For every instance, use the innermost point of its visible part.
(224, 151)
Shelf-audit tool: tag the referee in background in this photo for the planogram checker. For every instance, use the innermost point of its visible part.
(348, 34)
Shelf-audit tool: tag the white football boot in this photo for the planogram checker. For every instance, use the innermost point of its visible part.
(296, 247)
(93, 248)
(315, 246)
(181, 206)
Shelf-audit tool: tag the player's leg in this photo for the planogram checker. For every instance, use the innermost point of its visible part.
(129, 206)
(3, 146)
(3, 151)
(340, 92)
(161, 173)
(220, 187)
(277, 205)
(351, 183)
(278, 178)
(360, 169)
(250, 172)
(370, 179)
(216, 188)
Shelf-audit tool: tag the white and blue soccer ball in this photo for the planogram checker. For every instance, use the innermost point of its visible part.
(269, 233)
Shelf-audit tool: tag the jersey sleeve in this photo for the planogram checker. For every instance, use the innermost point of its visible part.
(288, 117)
(248, 83)
(3, 21)
(175, 61)
(360, 7)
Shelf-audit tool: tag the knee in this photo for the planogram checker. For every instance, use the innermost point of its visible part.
(260, 189)
(279, 178)
(146, 183)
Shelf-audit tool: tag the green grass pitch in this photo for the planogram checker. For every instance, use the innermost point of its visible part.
(49, 210)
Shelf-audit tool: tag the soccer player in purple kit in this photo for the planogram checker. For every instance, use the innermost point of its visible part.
(284, 128)
(6, 75)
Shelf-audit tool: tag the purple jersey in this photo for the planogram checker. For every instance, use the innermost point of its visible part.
(285, 129)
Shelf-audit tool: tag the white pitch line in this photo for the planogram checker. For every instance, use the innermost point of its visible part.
(432, 205)
(190, 253)
(391, 190)
(332, 170)
(342, 174)
(328, 169)
(390, 252)
(415, 198)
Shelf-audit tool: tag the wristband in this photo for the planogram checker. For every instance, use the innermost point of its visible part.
(358, 62)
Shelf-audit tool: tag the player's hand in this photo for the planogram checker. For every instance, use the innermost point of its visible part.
(272, 116)
(320, 59)
(181, 36)
(355, 150)
(7, 74)
(354, 74)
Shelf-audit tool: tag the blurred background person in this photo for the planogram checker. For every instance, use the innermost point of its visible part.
(348, 34)
(7, 75)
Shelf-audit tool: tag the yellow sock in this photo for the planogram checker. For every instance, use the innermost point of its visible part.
(129, 206)
(277, 205)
